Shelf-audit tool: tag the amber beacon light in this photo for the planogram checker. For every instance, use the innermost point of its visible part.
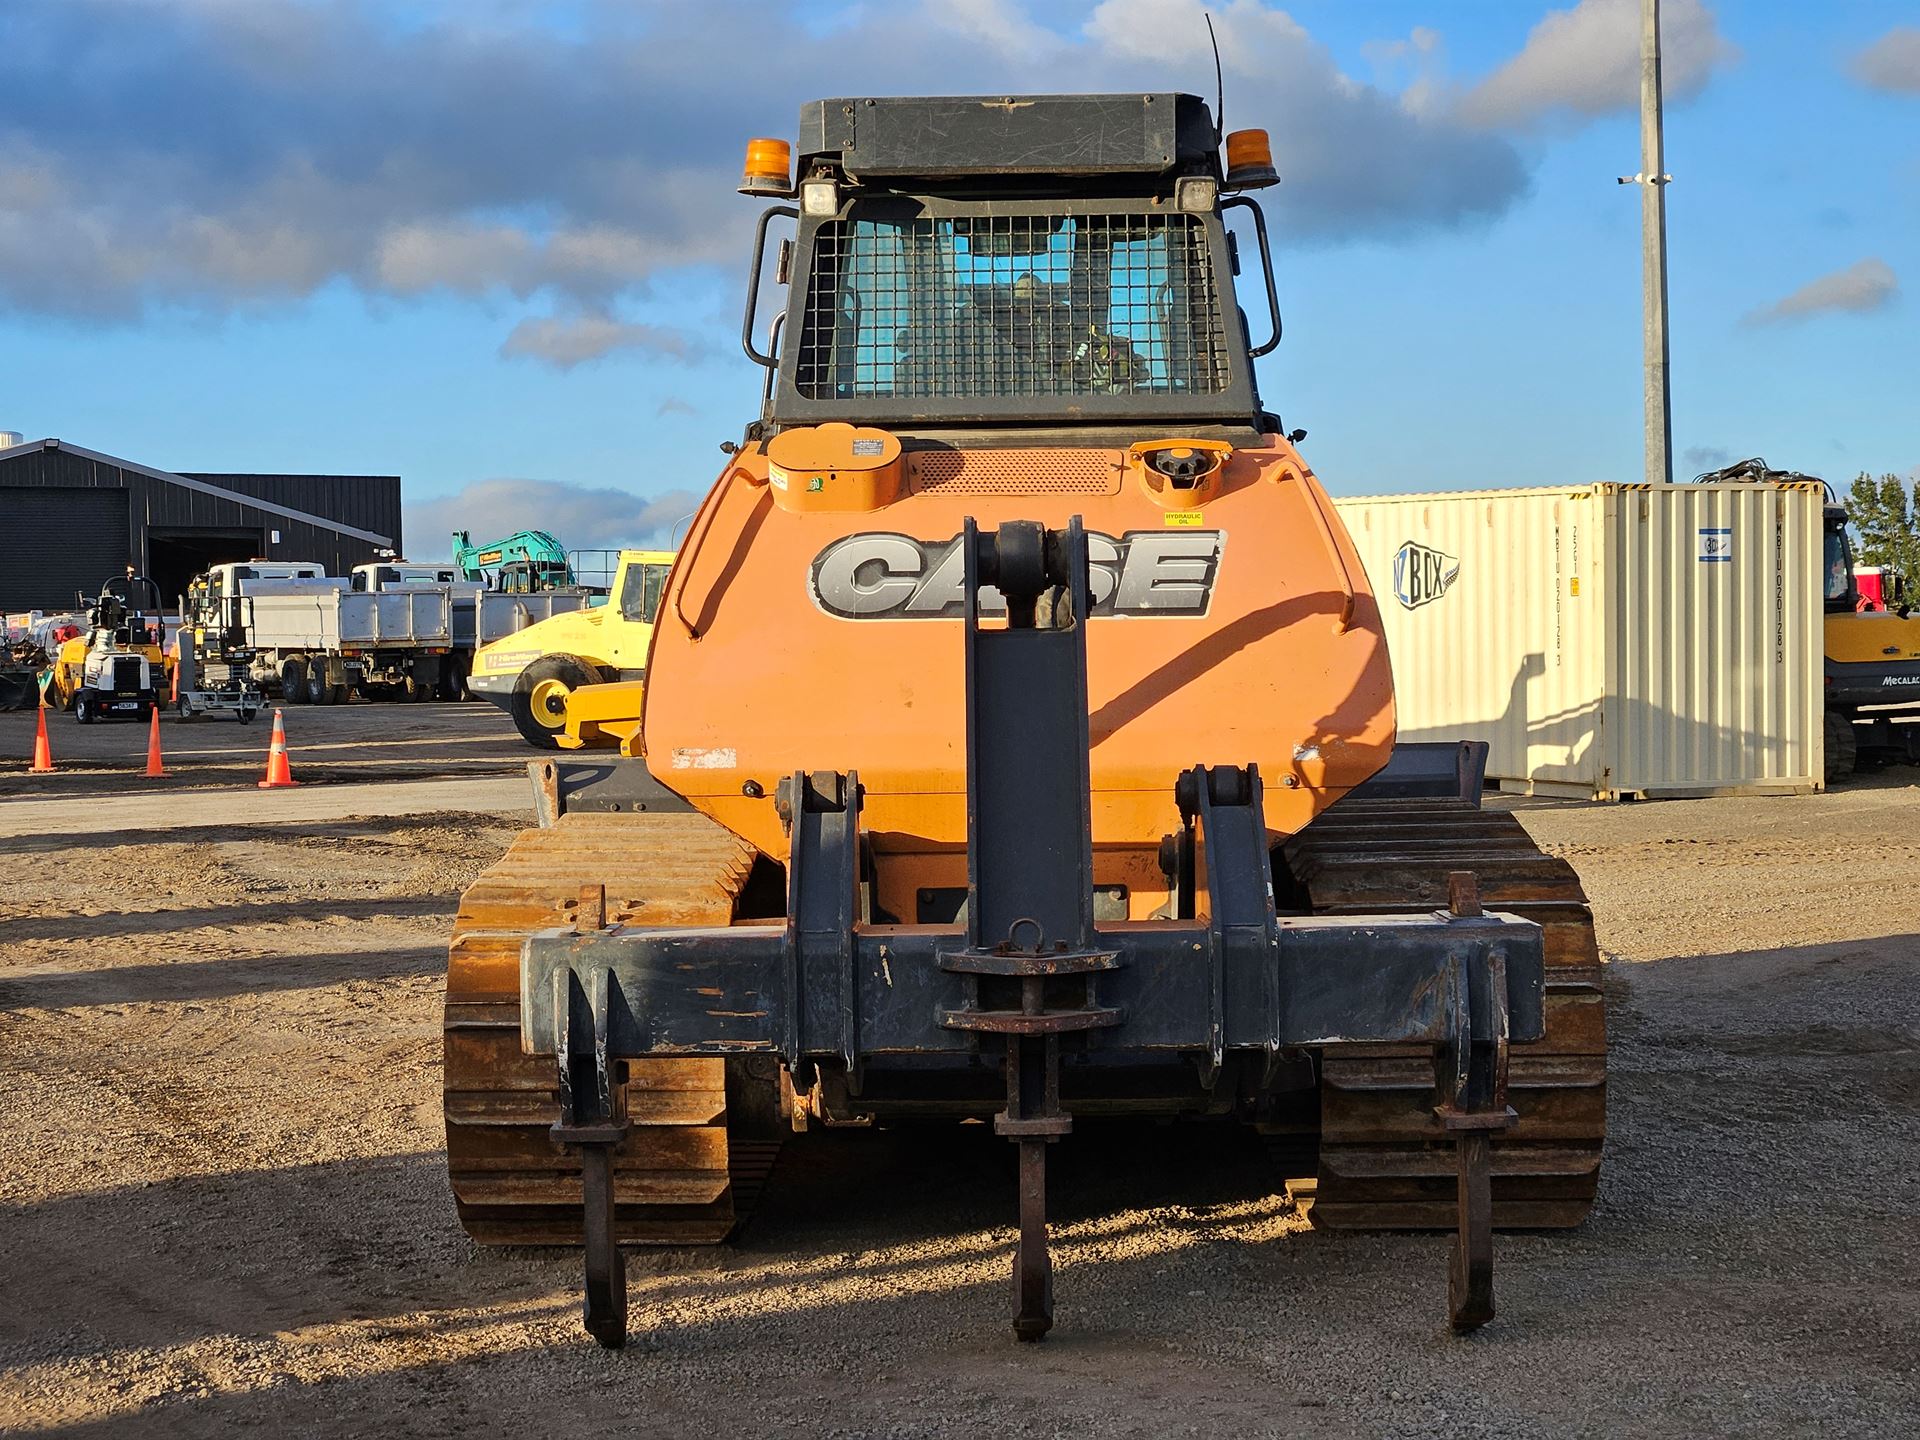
(768, 170)
(1250, 161)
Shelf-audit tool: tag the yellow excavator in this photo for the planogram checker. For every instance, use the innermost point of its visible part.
(1872, 657)
(574, 681)
(1018, 745)
(1872, 668)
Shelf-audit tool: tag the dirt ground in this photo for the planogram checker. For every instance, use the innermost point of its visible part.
(222, 1201)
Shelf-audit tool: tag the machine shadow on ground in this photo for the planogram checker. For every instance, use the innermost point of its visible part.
(179, 981)
(372, 826)
(291, 911)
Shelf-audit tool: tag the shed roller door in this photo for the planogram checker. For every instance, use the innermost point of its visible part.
(59, 541)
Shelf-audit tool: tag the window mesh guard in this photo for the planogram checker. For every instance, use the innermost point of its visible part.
(1011, 305)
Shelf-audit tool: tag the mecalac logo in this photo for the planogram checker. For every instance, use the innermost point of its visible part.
(883, 576)
(1422, 575)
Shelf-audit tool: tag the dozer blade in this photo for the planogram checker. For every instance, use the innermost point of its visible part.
(1385, 1162)
(675, 1180)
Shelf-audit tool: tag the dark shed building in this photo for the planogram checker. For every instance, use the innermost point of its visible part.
(72, 518)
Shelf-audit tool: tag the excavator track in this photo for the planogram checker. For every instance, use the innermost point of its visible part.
(1384, 1162)
(677, 1179)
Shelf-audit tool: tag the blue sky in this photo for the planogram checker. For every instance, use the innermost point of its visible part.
(493, 246)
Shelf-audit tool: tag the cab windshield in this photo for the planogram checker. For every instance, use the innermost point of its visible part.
(1839, 573)
(912, 306)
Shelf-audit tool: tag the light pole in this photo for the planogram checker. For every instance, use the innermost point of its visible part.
(1653, 181)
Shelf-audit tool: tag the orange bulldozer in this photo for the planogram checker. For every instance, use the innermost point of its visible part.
(1017, 745)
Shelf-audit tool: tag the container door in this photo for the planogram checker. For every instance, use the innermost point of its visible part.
(1715, 668)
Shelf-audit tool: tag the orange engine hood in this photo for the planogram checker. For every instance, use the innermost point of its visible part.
(1231, 627)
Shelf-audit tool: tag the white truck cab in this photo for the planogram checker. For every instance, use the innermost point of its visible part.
(380, 575)
(231, 578)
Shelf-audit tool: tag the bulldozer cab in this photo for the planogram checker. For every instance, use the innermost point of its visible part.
(1062, 263)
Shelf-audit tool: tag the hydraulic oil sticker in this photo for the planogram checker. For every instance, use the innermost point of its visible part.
(716, 759)
(1183, 519)
(884, 576)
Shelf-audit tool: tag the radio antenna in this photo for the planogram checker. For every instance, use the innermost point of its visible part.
(1219, 85)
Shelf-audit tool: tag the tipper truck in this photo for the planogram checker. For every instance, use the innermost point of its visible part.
(1017, 745)
(315, 638)
(390, 629)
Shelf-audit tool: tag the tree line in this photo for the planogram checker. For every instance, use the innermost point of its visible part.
(1886, 524)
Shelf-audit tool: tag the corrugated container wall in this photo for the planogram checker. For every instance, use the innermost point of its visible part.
(1607, 641)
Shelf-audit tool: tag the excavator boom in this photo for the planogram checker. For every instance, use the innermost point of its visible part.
(526, 560)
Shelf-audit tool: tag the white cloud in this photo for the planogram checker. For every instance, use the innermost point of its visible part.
(1251, 34)
(1586, 61)
(567, 341)
(1354, 158)
(1864, 286)
(1003, 25)
(230, 153)
(1892, 62)
(424, 255)
(584, 517)
(1417, 68)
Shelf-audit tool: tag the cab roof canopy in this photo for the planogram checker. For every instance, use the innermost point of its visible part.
(958, 138)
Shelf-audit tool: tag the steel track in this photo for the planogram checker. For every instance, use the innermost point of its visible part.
(677, 1179)
(1383, 1160)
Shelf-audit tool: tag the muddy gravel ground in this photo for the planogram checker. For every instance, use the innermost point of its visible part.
(222, 1203)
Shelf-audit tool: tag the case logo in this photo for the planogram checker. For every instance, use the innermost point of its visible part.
(1153, 574)
(1421, 574)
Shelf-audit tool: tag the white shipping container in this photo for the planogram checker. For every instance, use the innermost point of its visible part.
(1611, 640)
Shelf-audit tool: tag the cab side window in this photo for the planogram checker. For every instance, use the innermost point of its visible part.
(640, 592)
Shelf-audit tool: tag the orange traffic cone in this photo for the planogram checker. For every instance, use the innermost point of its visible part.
(279, 777)
(155, 769)
(42, 752)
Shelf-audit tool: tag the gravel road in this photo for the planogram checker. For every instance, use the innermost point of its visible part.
(222, 1202)
(328, 744)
